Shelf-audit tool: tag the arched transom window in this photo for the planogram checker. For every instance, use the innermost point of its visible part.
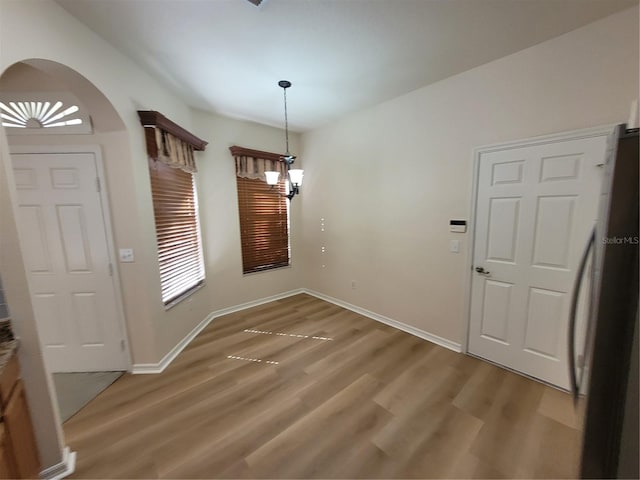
(43, 114)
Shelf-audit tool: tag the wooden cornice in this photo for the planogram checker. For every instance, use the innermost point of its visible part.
(151, 118)
(247, 152)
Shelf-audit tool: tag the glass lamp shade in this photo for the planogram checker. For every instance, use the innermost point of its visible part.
(295, 176)
(272, 177)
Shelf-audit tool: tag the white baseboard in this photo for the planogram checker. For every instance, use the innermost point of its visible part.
(146, 368)
(63, 469)
(443, 342)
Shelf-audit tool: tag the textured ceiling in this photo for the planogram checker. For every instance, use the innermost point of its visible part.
(227, 56)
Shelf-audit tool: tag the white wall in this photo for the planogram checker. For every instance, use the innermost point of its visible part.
(38, 384)
(128, 88)
(48, 32)
(225, 285)
(388, 179)
(218, 203)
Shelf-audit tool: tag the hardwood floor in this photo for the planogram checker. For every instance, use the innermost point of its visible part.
(343, 397)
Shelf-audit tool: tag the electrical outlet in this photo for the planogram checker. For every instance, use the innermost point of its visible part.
(353, 284)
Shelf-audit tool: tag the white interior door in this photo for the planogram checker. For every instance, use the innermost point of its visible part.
(63, 236)
(536, 206)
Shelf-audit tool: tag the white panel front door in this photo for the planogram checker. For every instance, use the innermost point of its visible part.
(536, 206)
(65, 248)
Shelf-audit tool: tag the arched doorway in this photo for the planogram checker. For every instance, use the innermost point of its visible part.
(62, 132)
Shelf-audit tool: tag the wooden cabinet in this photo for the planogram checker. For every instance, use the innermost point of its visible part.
(7, 467)
(18, 450)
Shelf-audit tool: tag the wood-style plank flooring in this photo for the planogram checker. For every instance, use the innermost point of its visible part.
(362, 400)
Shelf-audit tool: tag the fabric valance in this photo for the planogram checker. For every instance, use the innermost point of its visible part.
(174, 152)
(253, 163)
(168, 142)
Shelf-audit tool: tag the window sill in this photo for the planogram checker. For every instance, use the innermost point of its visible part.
(266, 270)
(183, 297)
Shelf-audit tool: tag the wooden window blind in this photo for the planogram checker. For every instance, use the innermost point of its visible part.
(264, 225)
(177, 229)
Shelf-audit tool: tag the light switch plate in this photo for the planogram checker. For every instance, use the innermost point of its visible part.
(126, 255)
(454, 246)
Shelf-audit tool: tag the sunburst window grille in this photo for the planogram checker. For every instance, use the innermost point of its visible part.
(38, 114)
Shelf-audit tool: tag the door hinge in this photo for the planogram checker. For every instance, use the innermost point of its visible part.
(111, 269)
(98, 187)
(122, 345)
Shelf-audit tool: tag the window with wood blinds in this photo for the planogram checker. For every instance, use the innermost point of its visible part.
(175, 209)
(264, 225)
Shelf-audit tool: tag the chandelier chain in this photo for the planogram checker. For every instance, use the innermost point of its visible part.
(286, 121)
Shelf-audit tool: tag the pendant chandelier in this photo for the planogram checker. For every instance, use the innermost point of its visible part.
(295, 174)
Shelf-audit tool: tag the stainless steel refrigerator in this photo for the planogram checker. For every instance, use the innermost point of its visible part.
(604, 362)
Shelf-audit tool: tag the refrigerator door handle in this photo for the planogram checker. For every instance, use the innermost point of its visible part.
(575, 387)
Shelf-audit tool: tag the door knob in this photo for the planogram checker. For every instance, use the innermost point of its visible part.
(482, 271)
